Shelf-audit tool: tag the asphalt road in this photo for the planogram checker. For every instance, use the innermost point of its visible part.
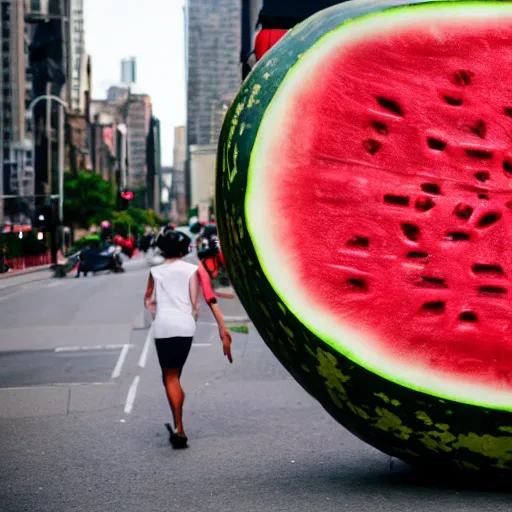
(82, 414)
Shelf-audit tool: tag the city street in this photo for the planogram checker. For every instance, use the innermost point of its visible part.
(82, 413)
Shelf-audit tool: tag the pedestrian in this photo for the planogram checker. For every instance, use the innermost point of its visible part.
(172, 296)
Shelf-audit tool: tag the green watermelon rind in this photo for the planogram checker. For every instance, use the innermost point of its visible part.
(414, 426)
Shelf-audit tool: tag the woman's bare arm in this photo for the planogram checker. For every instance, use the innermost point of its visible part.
(149, 303)
(194, 293)
(211, 300)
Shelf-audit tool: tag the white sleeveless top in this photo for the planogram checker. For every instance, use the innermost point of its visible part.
(173, 305)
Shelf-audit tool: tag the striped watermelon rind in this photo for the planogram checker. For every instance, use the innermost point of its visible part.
(417, 426)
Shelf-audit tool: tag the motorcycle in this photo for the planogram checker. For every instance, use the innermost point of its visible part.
(66, 265)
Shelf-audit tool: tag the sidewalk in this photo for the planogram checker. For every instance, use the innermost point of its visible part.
(29, 275)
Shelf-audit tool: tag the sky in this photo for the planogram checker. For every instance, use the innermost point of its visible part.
(152, 31)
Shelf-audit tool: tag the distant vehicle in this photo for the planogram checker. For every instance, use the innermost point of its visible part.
(99, 260)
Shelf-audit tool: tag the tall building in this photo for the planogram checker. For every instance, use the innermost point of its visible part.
(138, 114)
(78, 56)
(180, 148)
(16, 168)
(154, 164)
(117, 94)
(213, 74)
(213, 31)
(105, 118)
(177, 193)
(129, 71)
(49, 65)
(165, 193)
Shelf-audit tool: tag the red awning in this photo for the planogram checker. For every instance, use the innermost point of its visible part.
(17, 228)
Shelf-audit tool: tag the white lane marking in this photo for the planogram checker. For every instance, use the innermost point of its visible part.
(56, 385)
(201, 344)
(145, 350)
(120, 362)
(229, 319)
(132, 393)
(92, 347)
(50, 285)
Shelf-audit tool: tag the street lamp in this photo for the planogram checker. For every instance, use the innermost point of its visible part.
(62, 110)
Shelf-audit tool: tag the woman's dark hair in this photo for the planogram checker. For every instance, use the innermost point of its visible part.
(173, 244)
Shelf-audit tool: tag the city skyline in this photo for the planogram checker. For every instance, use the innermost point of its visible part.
(152, 32)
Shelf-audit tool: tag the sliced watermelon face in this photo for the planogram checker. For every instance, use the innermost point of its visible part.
(392, 175)
(365, 191)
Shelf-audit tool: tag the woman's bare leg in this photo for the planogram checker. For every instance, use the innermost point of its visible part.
(175, 395)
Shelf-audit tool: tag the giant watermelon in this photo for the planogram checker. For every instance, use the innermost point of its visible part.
(364, 202)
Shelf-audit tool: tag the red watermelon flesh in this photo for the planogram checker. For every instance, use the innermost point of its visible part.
(390, 170)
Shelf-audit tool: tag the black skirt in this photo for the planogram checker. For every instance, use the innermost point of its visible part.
(173, 352)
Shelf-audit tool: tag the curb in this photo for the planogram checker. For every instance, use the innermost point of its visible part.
(31, 270)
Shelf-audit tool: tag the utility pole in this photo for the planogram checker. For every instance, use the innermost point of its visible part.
(48, 127)
(57, 210)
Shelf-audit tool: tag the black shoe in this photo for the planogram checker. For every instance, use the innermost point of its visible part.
(178, 442)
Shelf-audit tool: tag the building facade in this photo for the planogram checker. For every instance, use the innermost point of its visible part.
(78, 56)
(213, 31)
(178, 191)
(179, 206)
(16, 169)
(180, 148)
(105, 117)
(154, 164)
(213, 74)
(173, 205)
(165, 193)
(129, 71)
(138, 114)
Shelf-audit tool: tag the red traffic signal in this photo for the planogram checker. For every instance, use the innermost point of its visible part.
(128, 195)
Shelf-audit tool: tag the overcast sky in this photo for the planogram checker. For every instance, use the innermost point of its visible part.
(151, 31)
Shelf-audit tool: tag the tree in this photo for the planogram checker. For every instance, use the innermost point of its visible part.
(133, 221)
(88, 199)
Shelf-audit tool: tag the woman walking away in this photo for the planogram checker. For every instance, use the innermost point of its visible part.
(172, 297)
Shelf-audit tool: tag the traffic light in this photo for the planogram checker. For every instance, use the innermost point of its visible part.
(126, 197)
(45, 218)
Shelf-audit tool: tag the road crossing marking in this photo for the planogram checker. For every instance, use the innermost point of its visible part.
(132, 393)
(145, 350)
(120, 362)
(91, 347)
